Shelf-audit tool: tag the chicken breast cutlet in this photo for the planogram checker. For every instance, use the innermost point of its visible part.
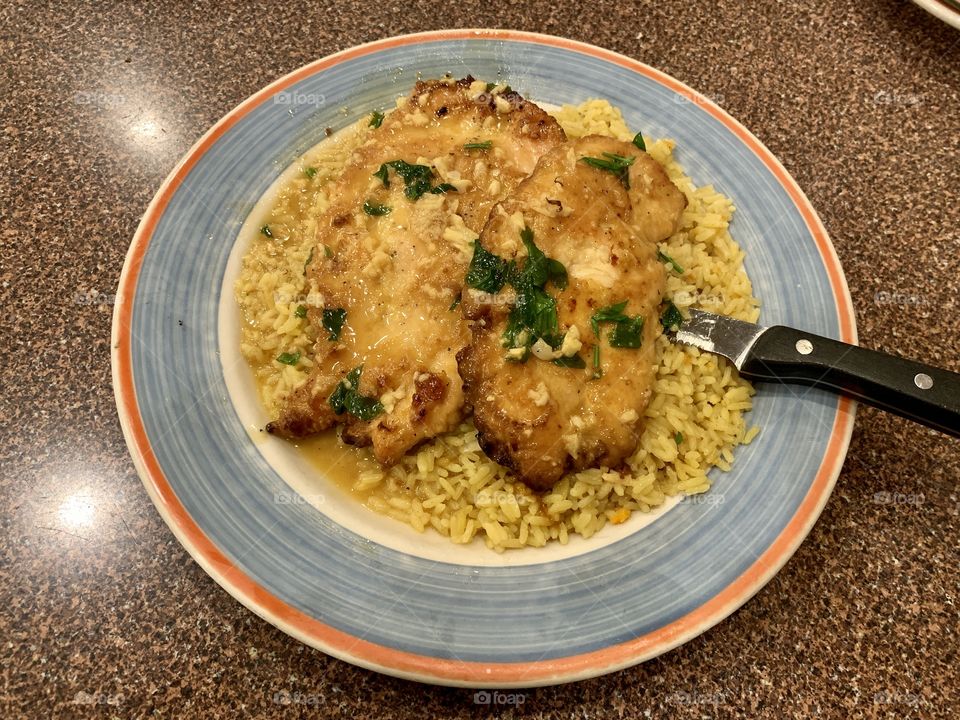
(392, 250)
(563, 299)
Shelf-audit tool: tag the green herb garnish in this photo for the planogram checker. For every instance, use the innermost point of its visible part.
(333, 320)
(265, 230)
(376, 210)
(417, 178)
(485, 145)
(638, 141)
(490, 86)
(616, 164)
(307, 262)
(574, 361)
(289, 358)
(539, 269)
(347, 398)
(664, 258)
(627, 331)
(327, 251)
(454, 304)
(597, 371)
(671, 318)
(534, 315)
(376, 118)
(678, 438)
(310, 172)
(487, 272)
(627, 334)
(301, 311)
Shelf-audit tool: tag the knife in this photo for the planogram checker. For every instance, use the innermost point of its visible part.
(910, 389)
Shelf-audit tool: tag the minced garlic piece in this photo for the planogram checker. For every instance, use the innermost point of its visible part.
(540, 395)
(503, 105)
(629, 416)
(477, 88)
(571, 342)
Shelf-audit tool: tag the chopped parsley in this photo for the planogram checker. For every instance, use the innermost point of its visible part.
(671, 318)
(383, 175)
(376, 118)
(301, 311)
(327, 251)
(638, 141)
(310, 172)
(540, 269)
(485, 145)
(612, 163)
(664, 258)
(333, 319)
(534, 314)
(418, 179)
(627, 334)
(307, 262)
(678, 438)
(597, 371)
(289, 358)
(574, 361)
(487, 272)
(627, 331)
(490, 86)
(454, 304)
(347, 398)
(265, 230)
(376, 210)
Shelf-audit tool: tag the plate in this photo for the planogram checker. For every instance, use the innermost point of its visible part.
(376, 593)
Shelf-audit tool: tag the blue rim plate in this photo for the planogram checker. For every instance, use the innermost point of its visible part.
(330, 574)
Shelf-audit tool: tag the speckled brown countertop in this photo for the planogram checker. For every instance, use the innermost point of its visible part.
(110, 617)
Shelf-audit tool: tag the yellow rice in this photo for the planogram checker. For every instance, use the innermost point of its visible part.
(448, 484)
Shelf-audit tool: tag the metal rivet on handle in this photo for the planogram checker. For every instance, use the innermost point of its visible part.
(804, 347)
(923, 381)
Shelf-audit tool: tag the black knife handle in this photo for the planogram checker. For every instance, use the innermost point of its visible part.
(913, 390)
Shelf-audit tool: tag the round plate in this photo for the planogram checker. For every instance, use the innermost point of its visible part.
(390, 602)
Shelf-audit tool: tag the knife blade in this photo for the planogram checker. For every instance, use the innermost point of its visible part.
(922, 393)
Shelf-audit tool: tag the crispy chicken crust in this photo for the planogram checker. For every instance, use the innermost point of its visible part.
(537, 418)
(398, 273)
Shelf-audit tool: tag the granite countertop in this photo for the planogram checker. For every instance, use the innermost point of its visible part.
(102, 613)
